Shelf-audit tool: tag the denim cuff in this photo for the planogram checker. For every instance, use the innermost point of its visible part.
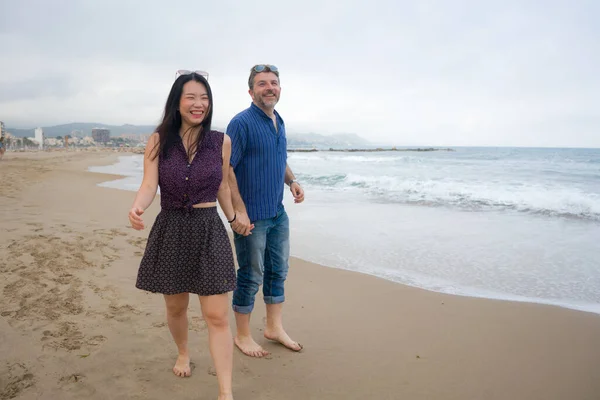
(274, 299)
(243, 309)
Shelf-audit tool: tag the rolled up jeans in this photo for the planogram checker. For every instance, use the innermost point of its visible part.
(263, 258)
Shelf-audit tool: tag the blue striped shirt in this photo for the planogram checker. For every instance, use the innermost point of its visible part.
(258, 157)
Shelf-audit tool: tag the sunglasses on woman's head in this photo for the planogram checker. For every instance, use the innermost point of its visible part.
(188, 72)
(265, 68)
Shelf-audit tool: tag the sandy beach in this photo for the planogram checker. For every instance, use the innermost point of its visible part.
(73, 326)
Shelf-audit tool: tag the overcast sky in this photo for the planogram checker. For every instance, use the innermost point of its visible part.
(520, 73)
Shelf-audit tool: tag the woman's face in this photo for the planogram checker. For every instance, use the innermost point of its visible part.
(194, 103)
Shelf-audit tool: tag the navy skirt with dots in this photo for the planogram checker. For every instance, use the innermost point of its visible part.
(188, 251)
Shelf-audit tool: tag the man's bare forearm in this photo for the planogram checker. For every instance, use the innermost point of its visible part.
(236, 198)
(289, 175)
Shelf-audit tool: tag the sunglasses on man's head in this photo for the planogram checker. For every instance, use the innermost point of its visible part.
(265, 68)
(187, 72)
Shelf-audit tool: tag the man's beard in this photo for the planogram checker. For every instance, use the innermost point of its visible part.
(268, 101)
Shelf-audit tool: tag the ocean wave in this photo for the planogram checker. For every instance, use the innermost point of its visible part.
(345, 158)
(481, 195)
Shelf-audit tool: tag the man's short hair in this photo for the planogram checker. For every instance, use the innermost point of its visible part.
(259, 68)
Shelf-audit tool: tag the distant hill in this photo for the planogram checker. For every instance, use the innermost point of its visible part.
(305, 140)
(85, 128)
(321, 141)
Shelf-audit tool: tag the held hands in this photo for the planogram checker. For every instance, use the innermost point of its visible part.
(297, 192)
(242, 225)
(134, 218)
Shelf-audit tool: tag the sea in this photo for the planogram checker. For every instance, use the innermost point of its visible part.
(520, 224)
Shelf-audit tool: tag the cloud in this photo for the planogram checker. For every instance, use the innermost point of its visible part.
(31, 89)
(430, 73)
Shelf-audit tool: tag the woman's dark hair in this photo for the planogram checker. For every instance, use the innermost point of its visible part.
(168, 129)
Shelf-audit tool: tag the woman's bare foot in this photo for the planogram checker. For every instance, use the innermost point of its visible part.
(282, 337)
(225, 397)
(182, 367)
(249, 347)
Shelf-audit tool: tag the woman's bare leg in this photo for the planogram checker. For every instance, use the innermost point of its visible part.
(177, 319)
(215, 310)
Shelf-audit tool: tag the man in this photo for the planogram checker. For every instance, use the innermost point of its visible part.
(261, 225)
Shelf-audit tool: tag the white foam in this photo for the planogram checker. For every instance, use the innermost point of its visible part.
(536, 186)
(131, 167)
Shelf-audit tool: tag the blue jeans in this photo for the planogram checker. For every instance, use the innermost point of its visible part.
(263, 259)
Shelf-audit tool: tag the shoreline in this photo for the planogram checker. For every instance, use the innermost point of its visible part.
(69, 309)
(359, 150)
(590, 308)
(449, 288)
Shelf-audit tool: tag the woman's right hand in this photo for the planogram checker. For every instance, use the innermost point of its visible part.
(134, 218)
(242, 224)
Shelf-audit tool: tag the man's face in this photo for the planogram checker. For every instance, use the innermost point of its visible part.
(266, 90)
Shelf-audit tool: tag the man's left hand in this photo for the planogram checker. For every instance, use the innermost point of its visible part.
(297, 192)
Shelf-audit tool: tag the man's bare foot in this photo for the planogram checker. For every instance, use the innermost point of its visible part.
(182, 367)
(225, 397)
(282, 337)
(249, 347)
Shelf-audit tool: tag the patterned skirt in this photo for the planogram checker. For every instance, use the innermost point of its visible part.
(188, 252)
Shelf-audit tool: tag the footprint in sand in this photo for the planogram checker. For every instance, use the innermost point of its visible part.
(138, 242)
(19, 379)
(121, 313)
(73, 378)
(105, 292)
(45, 264)
(67, 336)
(110, 233)
(77, 385)
(96, 340)
(41, 287)
(64, 279)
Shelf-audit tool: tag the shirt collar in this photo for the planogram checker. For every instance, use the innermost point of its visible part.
(260, 112)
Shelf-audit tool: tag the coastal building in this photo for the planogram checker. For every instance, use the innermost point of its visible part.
(51, 142)
(101, 135)
(39, 137)
(2, 129)
(130, 136)
(87, 141)
(76, 133)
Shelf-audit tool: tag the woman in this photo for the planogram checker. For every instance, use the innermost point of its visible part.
(188, 250)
